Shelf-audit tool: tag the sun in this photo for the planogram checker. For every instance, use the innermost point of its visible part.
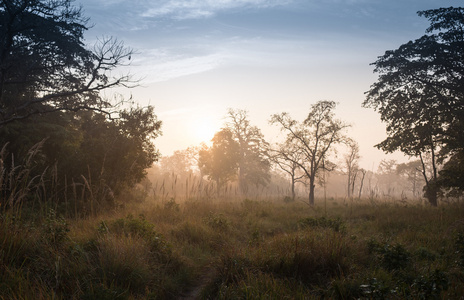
(204, 130)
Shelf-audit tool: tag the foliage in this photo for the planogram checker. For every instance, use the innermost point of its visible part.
(86, 157)
(451, 176)
(217, 221)
(253, 162)
(459, 246)
(419, 92)
(220, 161)
(45, 66)
(323, 222)
(392, 257)
(138, 253)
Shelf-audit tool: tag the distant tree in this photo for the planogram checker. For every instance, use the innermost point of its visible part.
(315, 137)
(178, 163)
(44, 64)
(386, 173)
(286, 156)
(351, 160)
(420, 93)
(361, 183)
(220, 162)
(412, 173)
(253, 163)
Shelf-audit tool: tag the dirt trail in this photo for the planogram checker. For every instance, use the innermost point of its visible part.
(194, 292)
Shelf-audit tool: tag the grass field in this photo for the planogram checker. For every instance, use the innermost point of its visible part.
(242, 249)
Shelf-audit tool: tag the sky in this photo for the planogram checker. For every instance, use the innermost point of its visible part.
(196, 59)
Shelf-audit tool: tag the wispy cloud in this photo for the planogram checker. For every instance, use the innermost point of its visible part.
(197, 9)
(156, 65)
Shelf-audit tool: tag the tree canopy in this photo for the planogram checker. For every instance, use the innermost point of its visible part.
(420, 91)
(253, 162)
(85, 147)
(45, 65)
(220, 161)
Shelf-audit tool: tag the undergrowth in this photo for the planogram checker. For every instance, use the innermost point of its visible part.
(234, 250)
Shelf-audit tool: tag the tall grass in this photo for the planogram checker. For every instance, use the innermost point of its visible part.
(229, 248)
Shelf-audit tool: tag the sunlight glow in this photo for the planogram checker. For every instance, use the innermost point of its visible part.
(204, 130)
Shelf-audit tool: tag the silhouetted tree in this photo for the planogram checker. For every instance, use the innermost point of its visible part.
(44, 64)
(420, 93)
(253, 163)
(102, 156)
(315, 137)
(451, 177)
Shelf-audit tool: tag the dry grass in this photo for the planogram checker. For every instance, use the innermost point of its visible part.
(161, 249)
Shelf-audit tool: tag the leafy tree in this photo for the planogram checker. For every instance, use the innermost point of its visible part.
(178, 163)
(420, 94)
(90, 155)
(220, 162)
(451, 177)
(44, 64)
(315, 138)
(253, 163)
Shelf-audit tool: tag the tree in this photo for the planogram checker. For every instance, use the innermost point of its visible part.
(451, 177)
(221, 161)
(411, 172)
(44, 64)
(420, 93)
(315, 137)
(386, 173)
(286, 156)
(91, 155)
(352, 167)
(178, 163)
(253, 163)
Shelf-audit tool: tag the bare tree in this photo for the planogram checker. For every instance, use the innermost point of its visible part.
(286, 156)
(351, 160)
(315, 137)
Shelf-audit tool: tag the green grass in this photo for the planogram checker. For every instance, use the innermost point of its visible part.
(245, 249)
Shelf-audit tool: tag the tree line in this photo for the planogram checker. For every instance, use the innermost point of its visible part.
(92, 146)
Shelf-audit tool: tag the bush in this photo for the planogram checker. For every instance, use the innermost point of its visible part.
(392, 257)
(335, 224)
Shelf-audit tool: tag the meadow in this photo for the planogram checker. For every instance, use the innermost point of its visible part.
(235, 249)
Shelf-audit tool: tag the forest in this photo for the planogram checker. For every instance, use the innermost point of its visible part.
(90, 209)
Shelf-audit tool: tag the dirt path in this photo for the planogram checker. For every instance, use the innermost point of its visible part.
(194, 292)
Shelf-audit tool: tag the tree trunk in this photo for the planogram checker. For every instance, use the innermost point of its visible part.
(293, 189)
(362, 182)
(311, 191)
(431, 193)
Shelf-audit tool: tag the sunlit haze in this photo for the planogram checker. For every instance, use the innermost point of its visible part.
(196, 59)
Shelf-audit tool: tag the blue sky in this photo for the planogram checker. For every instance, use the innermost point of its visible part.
(198, 58)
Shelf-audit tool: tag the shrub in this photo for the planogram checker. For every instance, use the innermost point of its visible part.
(459, 246)
(392, 257)
(217, 221)
(335, 224)
(140, 227)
